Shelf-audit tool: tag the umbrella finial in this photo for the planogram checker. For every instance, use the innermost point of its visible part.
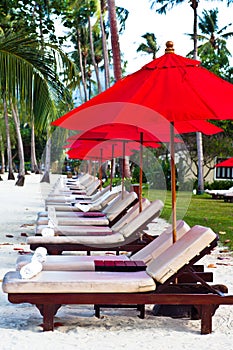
(169, 47)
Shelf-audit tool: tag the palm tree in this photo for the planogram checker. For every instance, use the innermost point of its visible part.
(151, 46)
(213, 51)
(167, 5)
(116, 53)
(29, 82)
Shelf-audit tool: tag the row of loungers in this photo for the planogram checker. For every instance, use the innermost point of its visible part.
(160, 272)
(227, 195)
(171, 277)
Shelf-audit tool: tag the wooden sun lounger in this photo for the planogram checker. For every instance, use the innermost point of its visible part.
(128, 237)
(219, 194)
(112, 206)
(86, 263)
(228, 197)
(159, 284)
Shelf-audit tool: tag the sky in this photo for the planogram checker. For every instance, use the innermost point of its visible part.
(172, 26)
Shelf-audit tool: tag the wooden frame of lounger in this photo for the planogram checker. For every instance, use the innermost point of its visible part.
(203, 296)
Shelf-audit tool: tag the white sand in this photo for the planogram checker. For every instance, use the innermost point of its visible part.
(79, 329)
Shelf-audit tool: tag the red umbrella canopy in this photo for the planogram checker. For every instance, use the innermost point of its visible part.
(120, 132)
(177, 88)
(88, 149)
(226, 163)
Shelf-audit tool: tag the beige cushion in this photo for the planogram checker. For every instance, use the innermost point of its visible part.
(148, 214)
(91, 239)
(79, 282)
(161, 243)
(180, 253)
(99, 203)
(119, 205)
(115, 207)
(69, 262)
(65, 223)
(130, 215)
(82, 230)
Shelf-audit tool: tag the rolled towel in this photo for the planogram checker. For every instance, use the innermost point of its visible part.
(83, 207)
(48, 232)
(30, 270)
(51, 223)
(40, 254)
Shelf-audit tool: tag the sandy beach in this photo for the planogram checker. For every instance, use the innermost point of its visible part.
(77, 328)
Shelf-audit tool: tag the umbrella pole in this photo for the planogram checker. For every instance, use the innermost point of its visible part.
(173, 182)
(140, 172)
(100, 168)
(94, 171)
(123, 171)
(112, 162)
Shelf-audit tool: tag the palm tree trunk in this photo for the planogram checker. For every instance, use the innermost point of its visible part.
(200, 186)
(45, 177)
(8, 142)
(81, 67)
(93, 56)
(21, 175)
(114, 40)
(2, 156)
(105, 49)
(34, 165)
(116, 62)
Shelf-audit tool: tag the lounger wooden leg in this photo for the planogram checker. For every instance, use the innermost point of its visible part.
(97, 311)
(48, 318)
(141, 309)
(48, 312)
(206, 319)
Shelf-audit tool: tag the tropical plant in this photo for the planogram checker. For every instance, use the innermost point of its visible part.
(167, 5)
(151, 46)
(29, 81)
(213, 50)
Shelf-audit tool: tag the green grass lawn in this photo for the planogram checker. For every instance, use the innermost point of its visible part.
(200, 210)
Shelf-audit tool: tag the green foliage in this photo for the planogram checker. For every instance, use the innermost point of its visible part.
(205, 211)
(151, 46)
(213, 50)
(136, 175)
(219, 185)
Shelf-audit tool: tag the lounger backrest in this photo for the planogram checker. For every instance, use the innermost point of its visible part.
(161, 243)
(119, 205)
(107, 197)
(93, 187)
(85, 179)
(100, 193)
(142, 219)
(130, 215)
(180, 253)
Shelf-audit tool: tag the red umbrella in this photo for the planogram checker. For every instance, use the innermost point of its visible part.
(228, 163)
(168, 89)
(128, 134)
(176, 87)
(103, 150)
